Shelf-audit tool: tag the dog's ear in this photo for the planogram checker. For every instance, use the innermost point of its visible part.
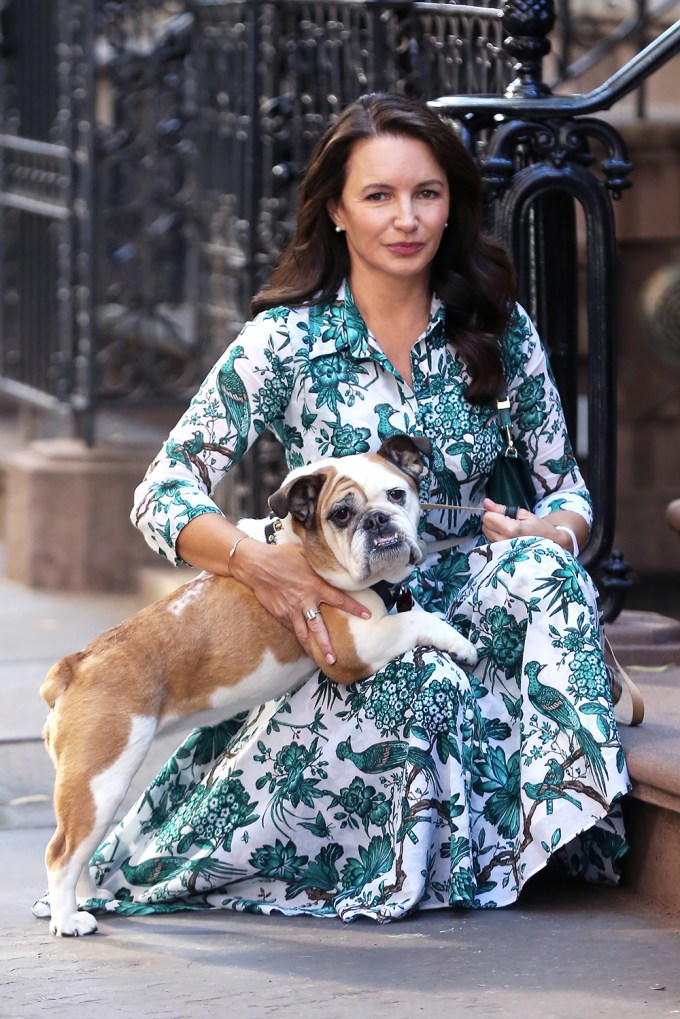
(406, 452)
(299, 498)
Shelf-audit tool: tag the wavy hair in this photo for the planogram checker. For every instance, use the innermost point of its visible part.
(470, 273)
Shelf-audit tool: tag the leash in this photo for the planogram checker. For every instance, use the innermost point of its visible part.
(450, 506)
(430, 547)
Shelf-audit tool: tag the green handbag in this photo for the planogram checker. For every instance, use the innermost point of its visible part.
(510, 480)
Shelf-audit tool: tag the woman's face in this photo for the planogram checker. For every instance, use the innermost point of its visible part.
(393, 207)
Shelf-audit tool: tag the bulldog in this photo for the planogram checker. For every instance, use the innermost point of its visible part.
(356, 520)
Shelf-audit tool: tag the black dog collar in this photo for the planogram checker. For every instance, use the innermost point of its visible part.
(394, 594)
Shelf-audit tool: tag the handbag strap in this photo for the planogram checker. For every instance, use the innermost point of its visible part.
(620, 679)
(505, 422)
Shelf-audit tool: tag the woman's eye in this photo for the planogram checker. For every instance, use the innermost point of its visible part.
(397, 495)
(376, 196)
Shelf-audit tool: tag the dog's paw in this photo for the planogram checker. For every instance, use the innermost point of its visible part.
(73, 925)
(464, 652)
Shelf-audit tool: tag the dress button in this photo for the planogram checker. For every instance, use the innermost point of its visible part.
(469, 714)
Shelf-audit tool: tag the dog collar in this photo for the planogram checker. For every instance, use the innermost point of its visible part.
(271, 528)
(394, 594)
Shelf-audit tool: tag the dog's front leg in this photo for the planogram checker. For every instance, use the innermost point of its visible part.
(395, 634)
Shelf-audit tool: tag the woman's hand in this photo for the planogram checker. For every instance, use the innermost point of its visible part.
(290, 590)
(498, 526)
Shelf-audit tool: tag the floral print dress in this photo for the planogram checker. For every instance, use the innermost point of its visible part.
(424, 785)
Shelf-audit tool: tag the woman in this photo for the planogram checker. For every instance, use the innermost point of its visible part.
(422, 786)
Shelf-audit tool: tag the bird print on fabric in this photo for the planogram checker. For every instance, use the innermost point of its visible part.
(549, 790)
(159, 868)
(564, 466)
(555, 706)
(235, 398)
(388, 755)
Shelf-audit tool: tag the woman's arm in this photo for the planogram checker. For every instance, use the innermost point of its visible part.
(540, 433)
(278, 575)
(174, 508)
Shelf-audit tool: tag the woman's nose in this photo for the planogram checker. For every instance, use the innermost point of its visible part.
(406, 218)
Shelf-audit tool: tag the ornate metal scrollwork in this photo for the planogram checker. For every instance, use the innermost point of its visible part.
(144, 298)
(528, 23)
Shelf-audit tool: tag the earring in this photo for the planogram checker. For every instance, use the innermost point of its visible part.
(338, 229)
(446, 224)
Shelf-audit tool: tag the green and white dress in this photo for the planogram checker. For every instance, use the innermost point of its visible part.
(423, 786)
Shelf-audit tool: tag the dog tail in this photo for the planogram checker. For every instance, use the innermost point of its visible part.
(58, 678)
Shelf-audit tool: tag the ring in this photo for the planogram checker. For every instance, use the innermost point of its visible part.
(311, 614)
(511, 511)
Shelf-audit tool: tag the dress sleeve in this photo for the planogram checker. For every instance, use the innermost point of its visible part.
(246, 390)
(538, 425)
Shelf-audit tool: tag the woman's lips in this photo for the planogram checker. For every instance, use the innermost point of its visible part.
(405, 249)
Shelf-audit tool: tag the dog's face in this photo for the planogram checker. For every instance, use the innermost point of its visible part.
(357, 516)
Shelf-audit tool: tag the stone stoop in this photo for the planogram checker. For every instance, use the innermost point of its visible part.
(648, 646)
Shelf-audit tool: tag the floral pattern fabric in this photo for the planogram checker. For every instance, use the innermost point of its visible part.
(424, 785)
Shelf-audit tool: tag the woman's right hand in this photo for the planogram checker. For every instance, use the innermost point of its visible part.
(287, 587)
(278, 575)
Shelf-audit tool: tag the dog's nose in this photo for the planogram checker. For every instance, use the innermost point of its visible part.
(376, 520)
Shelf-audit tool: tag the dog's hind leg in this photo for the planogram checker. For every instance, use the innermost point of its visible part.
(85, 806)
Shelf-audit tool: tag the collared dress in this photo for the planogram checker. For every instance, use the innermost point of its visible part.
(425, 785)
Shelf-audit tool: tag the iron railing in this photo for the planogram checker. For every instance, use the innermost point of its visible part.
(149, 151)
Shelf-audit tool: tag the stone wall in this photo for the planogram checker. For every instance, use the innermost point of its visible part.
(648, 228)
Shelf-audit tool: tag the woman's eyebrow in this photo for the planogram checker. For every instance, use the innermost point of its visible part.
(389, 187)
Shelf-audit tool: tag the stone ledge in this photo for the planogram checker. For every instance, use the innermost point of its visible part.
(67, 511)
(653, 748)
(645, 639)
(653, 863)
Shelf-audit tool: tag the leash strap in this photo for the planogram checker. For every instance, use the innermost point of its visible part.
(429, 547)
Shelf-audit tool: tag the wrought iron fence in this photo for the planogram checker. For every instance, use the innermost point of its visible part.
(45, 202)
(148, 162)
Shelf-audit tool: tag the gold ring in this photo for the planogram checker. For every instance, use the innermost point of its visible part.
(311, 614)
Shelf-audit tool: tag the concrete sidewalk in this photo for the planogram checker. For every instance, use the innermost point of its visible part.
(565, 950)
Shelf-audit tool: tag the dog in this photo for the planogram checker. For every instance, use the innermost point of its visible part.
(356, 520)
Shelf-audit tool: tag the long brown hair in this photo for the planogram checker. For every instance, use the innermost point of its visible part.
(471, 274)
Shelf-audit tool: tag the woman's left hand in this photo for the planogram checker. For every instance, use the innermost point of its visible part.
(498, 526)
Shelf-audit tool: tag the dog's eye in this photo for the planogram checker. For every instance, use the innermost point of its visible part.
(397, 495)
(341, 516)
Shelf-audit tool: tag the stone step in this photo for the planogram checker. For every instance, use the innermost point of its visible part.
(648, 645)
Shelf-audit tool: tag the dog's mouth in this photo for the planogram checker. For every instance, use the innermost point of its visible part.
(385, 541)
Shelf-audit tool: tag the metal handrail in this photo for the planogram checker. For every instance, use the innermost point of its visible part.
(603, 97)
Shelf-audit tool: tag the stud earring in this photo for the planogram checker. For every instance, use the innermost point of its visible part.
(338, 229)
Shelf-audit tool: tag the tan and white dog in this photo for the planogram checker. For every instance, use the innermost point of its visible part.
(211, 645)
